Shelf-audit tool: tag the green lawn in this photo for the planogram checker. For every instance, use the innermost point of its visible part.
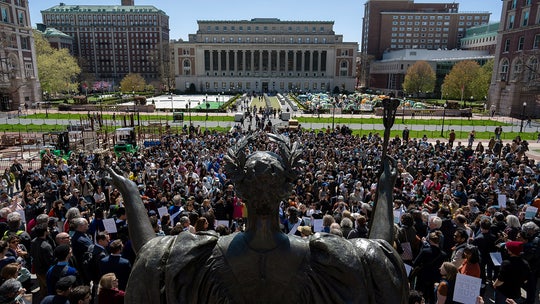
(416, 121)
(461, 135)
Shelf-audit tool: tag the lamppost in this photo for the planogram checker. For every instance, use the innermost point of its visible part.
(189, 111)
(172, 102)
(522, 116)
(443, 115)
(46, 105)
(333, 113)
(403, 110)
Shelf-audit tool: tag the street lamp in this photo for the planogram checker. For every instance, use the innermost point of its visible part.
(403, 110)
(189, 111)
(443, 115)
(333, 113)
(172, 103)
(46, 105)
(522, 116)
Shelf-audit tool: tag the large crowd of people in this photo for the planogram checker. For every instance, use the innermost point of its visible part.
(454, 205)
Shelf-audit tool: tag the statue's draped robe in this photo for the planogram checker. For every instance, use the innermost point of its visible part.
(326, 268)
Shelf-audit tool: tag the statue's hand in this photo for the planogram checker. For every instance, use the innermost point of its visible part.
(124, 185)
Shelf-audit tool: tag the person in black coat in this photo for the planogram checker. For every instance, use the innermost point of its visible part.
(427, 265)
(116, 264)
(514, 272)
(485, 241)
(99, 251)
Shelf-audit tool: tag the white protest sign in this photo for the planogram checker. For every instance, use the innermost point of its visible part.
(317, 225)
(162, 211)
(110, 225)
(502, 200)
(467, 289)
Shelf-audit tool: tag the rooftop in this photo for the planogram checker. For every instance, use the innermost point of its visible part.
(63, 8)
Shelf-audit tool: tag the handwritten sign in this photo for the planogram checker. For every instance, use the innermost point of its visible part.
(467, 289)
(530, 212)
(110, 225)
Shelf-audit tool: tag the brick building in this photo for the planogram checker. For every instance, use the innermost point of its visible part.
(112, 41)
(402, 24)
(515, 85)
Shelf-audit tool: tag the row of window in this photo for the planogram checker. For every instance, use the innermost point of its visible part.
(444, 35)
(420, 46)
(6, 16)
(81, 29)
(420, 29)
(513, 4)
(118, 34)
(439, 17)
(521, 43)
(265, 28)
(98, 17)
(248, 85)
(524, 21)
(531, 72)
(424, 17)
(424, 23)
(491, 39)
(418, 40)
(290, 40)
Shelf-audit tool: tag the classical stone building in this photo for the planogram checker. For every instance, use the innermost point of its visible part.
(19, 82)
(515, 85)
(112, 41)
(265, 55)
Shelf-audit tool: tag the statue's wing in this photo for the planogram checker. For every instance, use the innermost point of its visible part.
(359, 270)
(146, 278)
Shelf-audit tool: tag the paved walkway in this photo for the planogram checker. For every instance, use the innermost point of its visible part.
(433, 131)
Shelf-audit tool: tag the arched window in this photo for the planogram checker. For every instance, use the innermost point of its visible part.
(532, 69)
(186, 67)
(503, 70)
(344, 68)
(517, 68)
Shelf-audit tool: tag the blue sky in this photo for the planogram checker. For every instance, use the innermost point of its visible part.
(346, 14)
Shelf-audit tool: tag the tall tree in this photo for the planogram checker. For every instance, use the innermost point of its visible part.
(57, 69)
(420, 78)
(460, 82)
(133, 82)
(481, 83)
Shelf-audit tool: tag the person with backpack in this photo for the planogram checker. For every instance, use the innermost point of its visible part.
(61, 269)
(530, 236)
(41, 253)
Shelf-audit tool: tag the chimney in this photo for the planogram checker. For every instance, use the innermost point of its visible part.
(128, 2)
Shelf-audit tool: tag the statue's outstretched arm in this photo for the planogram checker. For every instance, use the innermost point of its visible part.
(140, 229)
(382, 221)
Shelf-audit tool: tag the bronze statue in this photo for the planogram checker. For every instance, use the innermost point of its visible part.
(262, 264)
